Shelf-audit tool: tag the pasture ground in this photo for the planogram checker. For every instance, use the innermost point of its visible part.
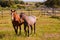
(46, 29)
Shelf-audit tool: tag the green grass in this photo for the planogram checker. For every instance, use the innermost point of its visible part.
(46, 29)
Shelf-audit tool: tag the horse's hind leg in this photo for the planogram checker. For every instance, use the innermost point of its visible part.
(31, 28)
(34, 28)
(28, 30)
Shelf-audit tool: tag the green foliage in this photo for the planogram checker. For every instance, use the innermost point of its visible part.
(29, 9)
(14, 6)
(16, 2)
(21, 2)
(20, 7)
(37, 4)
(0, 8)
(4, 3)
(9, 3)
(56, 17)
(52, 3)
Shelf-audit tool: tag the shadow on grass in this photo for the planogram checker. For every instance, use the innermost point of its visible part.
(2, 35)
(55, 17)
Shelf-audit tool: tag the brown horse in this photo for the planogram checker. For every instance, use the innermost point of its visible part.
(16, 21)
(28, 21)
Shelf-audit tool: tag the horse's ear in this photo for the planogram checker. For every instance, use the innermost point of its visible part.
(14, 10)
(11, 10)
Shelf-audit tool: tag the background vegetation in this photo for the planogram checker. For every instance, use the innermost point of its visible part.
(21, 4)
(47, 25)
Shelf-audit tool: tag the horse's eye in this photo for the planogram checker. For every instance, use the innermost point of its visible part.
(20, 15)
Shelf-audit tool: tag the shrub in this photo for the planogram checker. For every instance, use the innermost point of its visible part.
(0, 8)
(20, 7)
(13, 6)
(56, 17)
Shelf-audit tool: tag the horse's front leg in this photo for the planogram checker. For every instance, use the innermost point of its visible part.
(20, 30)
(16, 29)
(25, 29)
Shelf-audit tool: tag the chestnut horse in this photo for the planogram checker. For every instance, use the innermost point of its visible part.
(16, 21)
(28, 21)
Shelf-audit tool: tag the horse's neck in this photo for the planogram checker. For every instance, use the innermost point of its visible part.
(26, 18)
(15, 14)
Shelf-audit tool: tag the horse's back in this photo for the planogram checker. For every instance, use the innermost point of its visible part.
(32, 18)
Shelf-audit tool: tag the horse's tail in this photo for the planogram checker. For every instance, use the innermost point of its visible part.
(36, 18)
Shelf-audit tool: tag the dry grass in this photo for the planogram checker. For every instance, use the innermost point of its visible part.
(46, 29)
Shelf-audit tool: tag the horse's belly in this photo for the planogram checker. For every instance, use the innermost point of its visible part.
(32, 20)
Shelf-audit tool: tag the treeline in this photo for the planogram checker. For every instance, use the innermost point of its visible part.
(48, 3)
(5, 3)
(52, 3)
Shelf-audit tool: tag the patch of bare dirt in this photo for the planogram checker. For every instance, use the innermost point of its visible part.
(6, 28)
(52, 35)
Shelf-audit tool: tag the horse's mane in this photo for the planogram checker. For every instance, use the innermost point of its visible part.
(23, 14)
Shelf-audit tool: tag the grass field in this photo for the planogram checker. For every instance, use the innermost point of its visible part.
(46, 29)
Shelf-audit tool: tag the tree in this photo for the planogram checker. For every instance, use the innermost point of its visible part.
(16, 1)
(52, 3)
(21, 2)
(5, 3)
(38, 4)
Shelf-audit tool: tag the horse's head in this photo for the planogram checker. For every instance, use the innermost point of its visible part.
(22, 15)
(13, 12)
